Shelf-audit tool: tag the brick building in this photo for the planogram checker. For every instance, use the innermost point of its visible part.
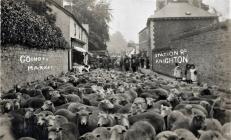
(183, 33)
(144, 42)
(176, 17)
(209, 49)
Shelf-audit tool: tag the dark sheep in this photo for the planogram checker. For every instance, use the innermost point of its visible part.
(69, 115)
(34, 103)
(222, 115)
(193, 124)
(6, 106)
(154, 119)
(46, 92)
(141, 130)
(9, 96)
(58, 101)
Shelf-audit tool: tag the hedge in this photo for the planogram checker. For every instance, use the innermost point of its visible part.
(21, 25)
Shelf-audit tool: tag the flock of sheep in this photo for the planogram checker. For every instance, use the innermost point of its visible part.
(114, 105)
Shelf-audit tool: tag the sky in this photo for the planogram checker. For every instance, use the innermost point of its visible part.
(130, 16)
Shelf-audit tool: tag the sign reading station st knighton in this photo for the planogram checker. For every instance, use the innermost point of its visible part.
(172, 56)
(31, 61)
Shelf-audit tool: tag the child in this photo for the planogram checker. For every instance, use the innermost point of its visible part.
(193, 73)
(177, 72)
(187, 73)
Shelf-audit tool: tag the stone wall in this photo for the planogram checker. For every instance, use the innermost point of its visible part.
(20, 64)
(209, 49)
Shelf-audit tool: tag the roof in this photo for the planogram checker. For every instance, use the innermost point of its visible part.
(175, 10)
(145, 28)
(56, 4)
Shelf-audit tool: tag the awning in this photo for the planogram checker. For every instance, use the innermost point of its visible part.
(80, 49)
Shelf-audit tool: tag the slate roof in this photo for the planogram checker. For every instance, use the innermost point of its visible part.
(181, 10)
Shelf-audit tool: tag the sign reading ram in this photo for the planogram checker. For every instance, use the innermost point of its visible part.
(171, 56)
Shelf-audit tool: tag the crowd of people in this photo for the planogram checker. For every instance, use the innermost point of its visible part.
(134, 63)
(123, 63)
(114, 105)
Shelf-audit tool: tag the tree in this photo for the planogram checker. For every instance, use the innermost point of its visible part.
(117, 43)
(97, 14)
(22, 25)
(42, 9)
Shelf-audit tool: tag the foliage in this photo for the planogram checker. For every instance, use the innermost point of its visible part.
(21, 25)
(117, 43)
(41, 8)
(97, 14)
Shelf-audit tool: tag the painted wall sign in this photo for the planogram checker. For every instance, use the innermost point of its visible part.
(26, 59)
(173, 56)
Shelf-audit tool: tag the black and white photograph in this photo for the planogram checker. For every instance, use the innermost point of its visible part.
(115, 70)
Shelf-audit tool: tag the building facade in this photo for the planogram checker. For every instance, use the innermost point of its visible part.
(144, 42)
(171, 20)
(209, 49)
(182, 33)
(73, 31)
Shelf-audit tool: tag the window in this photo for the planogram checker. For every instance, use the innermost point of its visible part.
(75, 29)
(79, 33)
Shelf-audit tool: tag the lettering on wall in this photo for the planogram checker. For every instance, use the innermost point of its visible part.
(26, 59)
(173, 56)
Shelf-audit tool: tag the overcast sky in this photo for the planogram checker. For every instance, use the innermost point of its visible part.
(130, 16)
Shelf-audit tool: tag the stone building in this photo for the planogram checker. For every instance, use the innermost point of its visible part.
(20, 64)
(73, 31)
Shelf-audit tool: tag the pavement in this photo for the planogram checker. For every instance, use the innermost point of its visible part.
(148, 71)
(225, 96)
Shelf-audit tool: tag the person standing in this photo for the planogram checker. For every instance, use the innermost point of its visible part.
(142, 62)
(121, 63)
(108, 63)
(187, 73)
(133, 63)
(126, 64)
(193, 74)
(137, 63)
(147, 63)
(177, 72)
